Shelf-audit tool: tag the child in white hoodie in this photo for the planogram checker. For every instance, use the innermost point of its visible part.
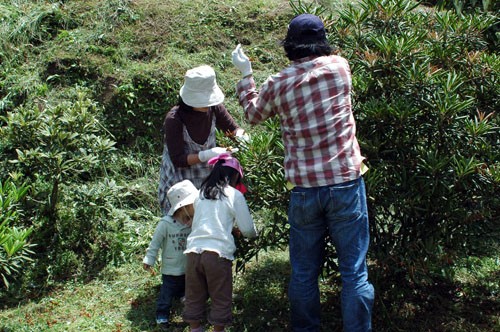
(170, 236)
(210, 246)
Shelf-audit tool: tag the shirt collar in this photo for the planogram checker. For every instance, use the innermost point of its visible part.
(306, 59)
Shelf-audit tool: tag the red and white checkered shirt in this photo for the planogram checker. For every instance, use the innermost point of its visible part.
(312, 99)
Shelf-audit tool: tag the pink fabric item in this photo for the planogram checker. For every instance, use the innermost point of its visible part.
(229, 161)
(241, 188)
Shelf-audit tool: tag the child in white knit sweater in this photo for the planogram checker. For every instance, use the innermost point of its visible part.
(210, 246)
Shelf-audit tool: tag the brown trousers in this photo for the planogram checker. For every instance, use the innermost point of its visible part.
(208, 275)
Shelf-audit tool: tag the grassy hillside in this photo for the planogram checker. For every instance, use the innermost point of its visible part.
(129, 52)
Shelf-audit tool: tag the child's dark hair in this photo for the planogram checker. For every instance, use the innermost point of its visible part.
(213, 185)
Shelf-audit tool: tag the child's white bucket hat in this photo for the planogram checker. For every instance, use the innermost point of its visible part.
(181, 194)
(200, 88)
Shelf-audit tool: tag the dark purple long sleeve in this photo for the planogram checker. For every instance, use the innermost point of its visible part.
(198, 125)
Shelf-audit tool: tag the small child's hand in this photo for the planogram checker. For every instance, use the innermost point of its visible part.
(236, 232)
(146, 267)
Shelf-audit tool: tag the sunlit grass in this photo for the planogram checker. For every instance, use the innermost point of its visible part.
(124, 299)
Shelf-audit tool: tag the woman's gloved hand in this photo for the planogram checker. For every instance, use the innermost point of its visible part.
(241, 61)
(206, 155)
(241, 135)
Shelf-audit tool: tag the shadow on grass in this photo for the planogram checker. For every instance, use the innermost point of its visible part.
(143, 308)
(262, 303)
(6, 329)
(262, 299)
(22, 292)
(331, 314)
(441, 306)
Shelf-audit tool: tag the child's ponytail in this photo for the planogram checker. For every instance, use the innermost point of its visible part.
(220, 177)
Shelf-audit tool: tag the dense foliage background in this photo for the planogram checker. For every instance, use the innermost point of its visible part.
(84, 87)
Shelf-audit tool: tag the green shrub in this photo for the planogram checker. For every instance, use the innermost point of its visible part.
(55, 148)
(56, 144)
(425, 91)
(262, 162)
(14, 245)
(97, 223)
(87, 229)
(425, 88)
(465, 5)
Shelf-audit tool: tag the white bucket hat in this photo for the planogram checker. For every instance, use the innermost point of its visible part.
(200, 88)
(181, 194)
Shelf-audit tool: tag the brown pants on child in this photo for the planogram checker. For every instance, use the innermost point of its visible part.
(208, 275)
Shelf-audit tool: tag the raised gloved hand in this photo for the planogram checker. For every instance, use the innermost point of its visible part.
(241, 61)
(206, 155)
(241, 135)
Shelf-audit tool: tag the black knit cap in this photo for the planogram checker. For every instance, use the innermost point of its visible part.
(306, 29)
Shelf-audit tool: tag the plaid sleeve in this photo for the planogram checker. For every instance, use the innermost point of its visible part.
(258, 106)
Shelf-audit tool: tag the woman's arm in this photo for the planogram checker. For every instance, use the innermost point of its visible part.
(174, 139)
(193, 159)
(224, 120)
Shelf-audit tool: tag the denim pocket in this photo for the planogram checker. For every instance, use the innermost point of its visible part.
(297, 209)
(345, 201)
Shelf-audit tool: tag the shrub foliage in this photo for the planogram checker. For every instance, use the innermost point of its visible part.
(55, 147)
(425, 94)
(426, 91)
(14, 246)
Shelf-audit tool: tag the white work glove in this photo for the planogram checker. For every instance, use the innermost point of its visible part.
(241, 61)
(241, 135)
(206, 155)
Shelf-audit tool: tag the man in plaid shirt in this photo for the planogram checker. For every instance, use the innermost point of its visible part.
(323, 163)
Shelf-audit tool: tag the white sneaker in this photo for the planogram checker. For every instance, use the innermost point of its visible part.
(161, 320)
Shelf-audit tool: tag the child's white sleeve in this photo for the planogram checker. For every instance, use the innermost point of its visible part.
(156, 243)
(243, 218)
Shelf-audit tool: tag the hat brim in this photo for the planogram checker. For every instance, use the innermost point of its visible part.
(186, 201)
(202, 98)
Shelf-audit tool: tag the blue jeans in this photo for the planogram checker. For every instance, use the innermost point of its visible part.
(172, 286)
(341, 211)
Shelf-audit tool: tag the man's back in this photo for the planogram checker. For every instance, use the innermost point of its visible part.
(312, 99)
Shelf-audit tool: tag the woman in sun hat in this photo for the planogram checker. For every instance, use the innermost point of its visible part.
(189, 132)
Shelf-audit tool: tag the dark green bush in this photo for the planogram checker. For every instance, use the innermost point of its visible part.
(14, 245)
(425, 91)
(465, 5)
(55, 148)
(262, 161)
